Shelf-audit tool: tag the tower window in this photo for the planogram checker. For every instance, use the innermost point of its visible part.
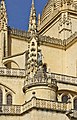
(65, 98)
(1, 97)
(75, 103)
(9, 99)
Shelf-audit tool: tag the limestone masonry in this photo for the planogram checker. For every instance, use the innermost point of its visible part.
(38, 67)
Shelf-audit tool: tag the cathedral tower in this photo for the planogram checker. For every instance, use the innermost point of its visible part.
(37, 82)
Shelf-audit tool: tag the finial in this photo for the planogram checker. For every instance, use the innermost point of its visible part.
(39, 19)
(3, 3)
(32, 1)
(3, 13)
(32, 20)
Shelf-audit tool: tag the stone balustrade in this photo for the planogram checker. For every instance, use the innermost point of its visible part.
(50, 77)
(12, 72)
(20, 33)
(27, 106)
(50, 105)
(4, 109)
(45, 39)
(39, 80)
(35, 103)
(71, 38)
(63, 78)
(45, 104)
(48, 39)
(72, 114)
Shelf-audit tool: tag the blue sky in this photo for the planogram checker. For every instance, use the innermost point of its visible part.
(19, 10)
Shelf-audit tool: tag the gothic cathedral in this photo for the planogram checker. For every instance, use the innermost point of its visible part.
(38, 67)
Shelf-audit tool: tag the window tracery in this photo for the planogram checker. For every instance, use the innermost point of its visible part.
(9, 99)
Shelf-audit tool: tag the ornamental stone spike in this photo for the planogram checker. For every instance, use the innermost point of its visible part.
(32, 20)
(3, 4)
(3, 15)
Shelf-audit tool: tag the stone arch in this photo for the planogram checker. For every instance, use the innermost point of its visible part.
(9, 62)
(9, 98)
(64, 92)
(5, 91)
(3, 87)
(65, 97)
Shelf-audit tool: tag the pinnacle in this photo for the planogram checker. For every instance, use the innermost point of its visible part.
(32, 1)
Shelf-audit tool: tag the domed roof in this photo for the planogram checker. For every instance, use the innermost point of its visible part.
(49, 7)
(53, 5)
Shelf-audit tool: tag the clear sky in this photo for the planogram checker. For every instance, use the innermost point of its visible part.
(19, 10)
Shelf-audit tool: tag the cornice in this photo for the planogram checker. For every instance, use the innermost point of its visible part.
(45, 40)
(52, 17)
(52, 42)
(71, 40)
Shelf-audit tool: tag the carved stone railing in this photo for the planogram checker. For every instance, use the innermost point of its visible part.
(41, 38)
(4, 109)
(71, 38)
(37, 104)
(39, 80)
(46, 39)
(51, 105)
(63, 78)
(46, 105)
(52, 78)
(20, 33)
(12, 72)
(27, 106)
(50, 40)
(72, 114)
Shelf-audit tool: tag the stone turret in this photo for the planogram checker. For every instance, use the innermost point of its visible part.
(37, 82)
(33, 43)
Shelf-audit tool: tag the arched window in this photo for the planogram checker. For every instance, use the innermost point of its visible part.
(9, 99)
(1, 97)
(1, 100)
(65, 98)
(75, 103)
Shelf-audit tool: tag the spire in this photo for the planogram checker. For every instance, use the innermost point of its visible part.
(3, 6)
(3, 15)
(33, 2)
(39, 19)
(32, 21)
